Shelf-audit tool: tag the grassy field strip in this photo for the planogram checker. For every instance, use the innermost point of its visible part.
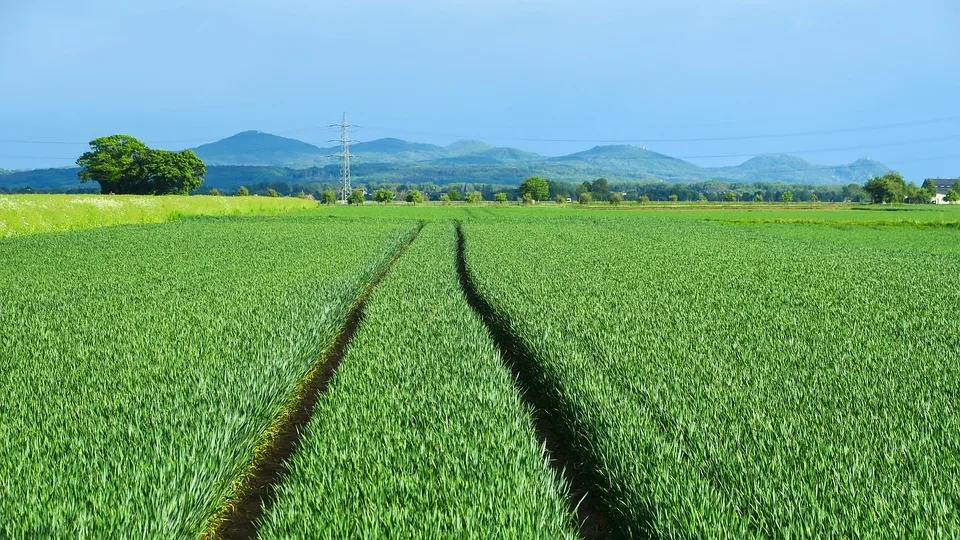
(421, 433)
(745, 381)
(30, 214)
(541, 396)
(141, 364)
(255, 487)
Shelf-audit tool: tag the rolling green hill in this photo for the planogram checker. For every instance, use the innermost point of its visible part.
(254, 157)
(258, 148)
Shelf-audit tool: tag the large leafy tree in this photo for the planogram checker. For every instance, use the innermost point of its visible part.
(173, 172)
(124, 165)
(383, 196)
(600, 189)
(414, 196)
(117, 163)
(888, 188)
(537, 187)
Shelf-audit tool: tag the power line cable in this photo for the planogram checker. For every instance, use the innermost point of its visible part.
(639, 158)
(875, 127)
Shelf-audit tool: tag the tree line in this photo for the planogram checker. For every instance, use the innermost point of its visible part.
(891, 188)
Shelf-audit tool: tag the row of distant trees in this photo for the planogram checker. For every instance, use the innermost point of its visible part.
(891, 188)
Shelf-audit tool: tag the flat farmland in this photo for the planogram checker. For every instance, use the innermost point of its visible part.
(141, 364)
(679, 371)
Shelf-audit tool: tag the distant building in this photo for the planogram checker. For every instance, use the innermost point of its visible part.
(943, 185)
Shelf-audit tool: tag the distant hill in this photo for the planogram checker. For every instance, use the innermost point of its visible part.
(62, 179)
(462, 148)
(255, 155)
(785, 168)
(622, 162)
(258, 148)
(633, 160)
(396, 151)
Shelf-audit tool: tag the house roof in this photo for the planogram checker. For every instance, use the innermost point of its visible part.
(943, 184)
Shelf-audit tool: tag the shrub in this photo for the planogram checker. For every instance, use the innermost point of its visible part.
(383, 196)
(356, 197)
(414, 196)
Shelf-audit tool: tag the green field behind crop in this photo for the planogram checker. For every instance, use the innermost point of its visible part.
(704, 370)
(31, 214)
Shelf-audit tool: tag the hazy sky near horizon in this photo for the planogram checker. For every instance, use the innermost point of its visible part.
(551, 76)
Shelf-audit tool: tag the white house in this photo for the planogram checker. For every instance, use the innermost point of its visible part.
(943, 185)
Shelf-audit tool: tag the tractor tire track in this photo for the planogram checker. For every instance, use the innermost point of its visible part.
(255, 488)
(566, 457)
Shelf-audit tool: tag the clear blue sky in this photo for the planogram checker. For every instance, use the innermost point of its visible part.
(592, 70)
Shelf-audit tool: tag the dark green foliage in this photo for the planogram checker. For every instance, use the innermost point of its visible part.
(729, 196)
(643, 199)
(122, 164)
(474, 197)
(526, 198)
(214, 192)
(242, 191)
(383, 196)
(616, 199)
(454, 195)
(536, 187)
(786, 196)
(414, 196)
(673, 198)
(328, 196)
(560, 199)
(116, 163)
(173, 172)
(272, 193)
(585, 198)
(500, 197)
(356, 197)
(600, 189)
(889, 188)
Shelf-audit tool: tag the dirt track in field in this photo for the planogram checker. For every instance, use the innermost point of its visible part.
(238, 518)
(593, 516)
